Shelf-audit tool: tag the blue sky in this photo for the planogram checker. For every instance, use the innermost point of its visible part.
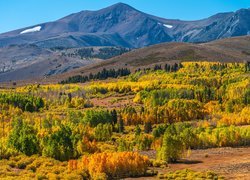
(16, 14)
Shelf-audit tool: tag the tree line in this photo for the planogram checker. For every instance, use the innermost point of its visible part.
(101, 75)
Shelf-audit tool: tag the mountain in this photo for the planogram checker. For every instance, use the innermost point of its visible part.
(122, 25)
(54, 48)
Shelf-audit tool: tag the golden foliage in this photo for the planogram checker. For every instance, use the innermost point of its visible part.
(113, 165)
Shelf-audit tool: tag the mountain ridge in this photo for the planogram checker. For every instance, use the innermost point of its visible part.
(123, 25)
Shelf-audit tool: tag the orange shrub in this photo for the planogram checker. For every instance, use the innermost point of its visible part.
(114, 165)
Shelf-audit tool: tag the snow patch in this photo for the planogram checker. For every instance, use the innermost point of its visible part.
(168, 26)
(34, 29)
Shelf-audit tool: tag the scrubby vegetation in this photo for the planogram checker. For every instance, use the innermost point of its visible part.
(189, 174)
(68, 131)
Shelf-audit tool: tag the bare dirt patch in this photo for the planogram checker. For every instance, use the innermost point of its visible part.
(232, 163)
(113, 101)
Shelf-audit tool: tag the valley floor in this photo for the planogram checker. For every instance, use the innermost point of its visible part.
(111, 126)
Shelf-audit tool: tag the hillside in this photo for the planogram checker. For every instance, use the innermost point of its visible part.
(22, 62)
(18, 62)
(53, 66)
(226, 50)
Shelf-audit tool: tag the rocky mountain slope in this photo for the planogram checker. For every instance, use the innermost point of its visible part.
(18, 62)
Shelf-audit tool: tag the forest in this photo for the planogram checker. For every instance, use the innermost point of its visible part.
(104, 129)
